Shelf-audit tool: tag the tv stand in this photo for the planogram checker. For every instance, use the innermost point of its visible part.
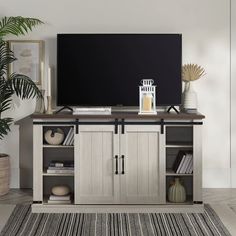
(63, 108)
(105, 151)
(172, 107)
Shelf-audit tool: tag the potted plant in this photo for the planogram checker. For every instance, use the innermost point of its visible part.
(190, 72)
(12, 84)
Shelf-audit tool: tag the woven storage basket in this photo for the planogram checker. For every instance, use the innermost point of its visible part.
(4, 174)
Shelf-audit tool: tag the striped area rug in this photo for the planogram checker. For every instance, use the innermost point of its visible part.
(23, 222)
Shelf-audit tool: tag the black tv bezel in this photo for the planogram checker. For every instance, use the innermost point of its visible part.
(118, 105)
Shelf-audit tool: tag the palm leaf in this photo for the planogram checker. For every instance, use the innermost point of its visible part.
(5, 126)
(5, 95)
(23, 86)
(17, 25)
(6, 57)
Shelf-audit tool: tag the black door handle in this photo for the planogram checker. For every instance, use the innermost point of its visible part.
(123, 164)
(116, 157)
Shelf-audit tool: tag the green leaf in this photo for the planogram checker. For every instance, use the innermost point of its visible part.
(23, 86)
(17, 25)
(20, 85)
(5, 126)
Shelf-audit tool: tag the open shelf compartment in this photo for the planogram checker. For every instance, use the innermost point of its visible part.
(50, 181)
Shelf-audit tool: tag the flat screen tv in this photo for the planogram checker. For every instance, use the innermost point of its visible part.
(106, 69)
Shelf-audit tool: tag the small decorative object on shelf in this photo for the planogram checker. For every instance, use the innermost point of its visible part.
(190, 72)
(61, 167)
(147, 97)
(60, 190)
(49, 97)
(60, 195)
(54, 136)
(176, 192)
(40, 107)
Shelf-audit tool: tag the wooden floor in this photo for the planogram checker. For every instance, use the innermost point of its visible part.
(223, 202)
(211, 196)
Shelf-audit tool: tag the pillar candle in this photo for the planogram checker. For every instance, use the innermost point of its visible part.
(49, 81)
(42, 73)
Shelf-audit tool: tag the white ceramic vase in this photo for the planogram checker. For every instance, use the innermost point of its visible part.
(176, 192)
(39, 106)
(189, 97)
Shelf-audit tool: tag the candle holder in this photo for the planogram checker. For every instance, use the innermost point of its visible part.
(49, 105)
(147, 97)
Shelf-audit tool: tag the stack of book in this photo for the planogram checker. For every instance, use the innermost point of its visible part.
(69, 140)
(61, 167)
(183, 163)
(53, 199)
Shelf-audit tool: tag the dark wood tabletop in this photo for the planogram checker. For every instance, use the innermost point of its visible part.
(122, 115)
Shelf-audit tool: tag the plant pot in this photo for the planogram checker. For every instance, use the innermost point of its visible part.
(189, 97)
(4, 174)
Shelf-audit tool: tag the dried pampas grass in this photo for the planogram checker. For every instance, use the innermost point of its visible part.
(191, 72)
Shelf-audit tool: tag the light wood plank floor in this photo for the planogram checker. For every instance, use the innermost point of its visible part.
(223, 202)
(210, 195)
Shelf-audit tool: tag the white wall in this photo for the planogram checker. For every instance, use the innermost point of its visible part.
(205, 25)
(233, 94)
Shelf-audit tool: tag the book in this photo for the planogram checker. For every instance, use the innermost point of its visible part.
(70, 138)
(67, 136)
(189, 164)
(60, 168)
(61, 164)
(185, 164)
(181, 164)
(190, 171)
(178, 160)
(59, 198)
(59, 201)
(60, 171)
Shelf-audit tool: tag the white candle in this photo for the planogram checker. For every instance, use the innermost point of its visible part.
(42, 73)
(49, 81)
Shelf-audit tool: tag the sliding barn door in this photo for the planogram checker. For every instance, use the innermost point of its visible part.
(95, 178)
(139, 161)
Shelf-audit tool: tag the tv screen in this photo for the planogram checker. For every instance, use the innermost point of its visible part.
(106, 69)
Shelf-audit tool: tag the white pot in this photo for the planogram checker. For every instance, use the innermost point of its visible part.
(189, 97)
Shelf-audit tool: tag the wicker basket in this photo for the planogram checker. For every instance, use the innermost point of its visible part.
(4, 174)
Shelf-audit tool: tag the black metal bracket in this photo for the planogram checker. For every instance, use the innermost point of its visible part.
(116, 126)
(77, 126)
(122, 126)
(63, 108)
(162, 126)
(116, 122)
(37, 202)
(172, 107)
(197, 202)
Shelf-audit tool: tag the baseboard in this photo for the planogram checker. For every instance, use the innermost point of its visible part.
(41, 208)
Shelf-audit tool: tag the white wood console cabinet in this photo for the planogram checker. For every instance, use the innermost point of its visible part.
(122, 162)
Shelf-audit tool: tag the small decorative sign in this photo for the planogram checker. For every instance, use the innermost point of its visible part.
(147, 97)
